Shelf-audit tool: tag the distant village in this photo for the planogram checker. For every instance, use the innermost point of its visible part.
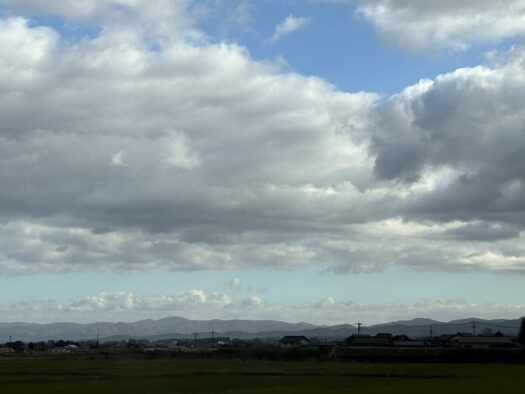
(457, 347)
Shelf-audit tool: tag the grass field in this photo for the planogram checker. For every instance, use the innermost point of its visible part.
(98, 376)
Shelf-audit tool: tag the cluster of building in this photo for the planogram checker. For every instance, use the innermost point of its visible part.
(387, 340)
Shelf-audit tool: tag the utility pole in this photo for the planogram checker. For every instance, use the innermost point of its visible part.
(195, 336)
(359, 328)
(98, 338)
(212, 335)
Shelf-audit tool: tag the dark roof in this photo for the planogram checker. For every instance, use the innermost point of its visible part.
(410, 343)
(293, 339)
(444, 337)
(367, 340)
(481, 340)
(463, 334)
(448, 337)
(402, 338)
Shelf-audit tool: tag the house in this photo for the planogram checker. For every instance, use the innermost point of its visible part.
(408, 343)
(481, 341)
(379, 340)
(443, 340)
(294, 340)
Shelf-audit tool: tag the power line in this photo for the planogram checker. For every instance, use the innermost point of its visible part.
(196, 334)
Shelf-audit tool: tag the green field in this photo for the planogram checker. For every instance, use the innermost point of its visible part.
(99, 376)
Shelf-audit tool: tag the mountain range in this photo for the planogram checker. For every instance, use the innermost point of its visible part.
(178, 327)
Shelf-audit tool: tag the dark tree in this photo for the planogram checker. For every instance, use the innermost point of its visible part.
(521, 334)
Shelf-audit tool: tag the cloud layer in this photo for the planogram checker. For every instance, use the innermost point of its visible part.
(198, 304)
(146, 148)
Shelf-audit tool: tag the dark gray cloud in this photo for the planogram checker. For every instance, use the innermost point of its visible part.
(468, 122)
(481, 231)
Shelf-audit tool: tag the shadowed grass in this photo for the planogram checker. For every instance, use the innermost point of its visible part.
(134, 375)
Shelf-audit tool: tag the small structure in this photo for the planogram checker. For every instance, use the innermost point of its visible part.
(294, 340)
(328, 350)
(6, 350)
(72, 348)
(211, 342)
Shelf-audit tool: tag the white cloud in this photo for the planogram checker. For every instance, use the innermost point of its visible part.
(180, 154)
(252, 302)
(417, 24)
(234, 284)
(118, 160)
(26, 53)
(155, 18)
(288, 26)
(243, 13)
(328, 302)
(138, 302)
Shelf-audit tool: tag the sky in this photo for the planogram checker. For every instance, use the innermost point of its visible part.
(327, 161)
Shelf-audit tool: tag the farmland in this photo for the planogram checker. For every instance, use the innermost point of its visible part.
(67, 374)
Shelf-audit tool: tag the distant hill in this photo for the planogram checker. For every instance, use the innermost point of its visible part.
(413, 322)
(143, 328)
(178, 327)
